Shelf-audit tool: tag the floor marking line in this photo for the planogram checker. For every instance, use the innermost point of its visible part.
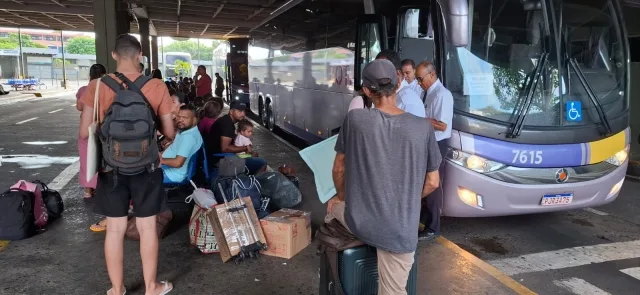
(65, 176)
(594, 211)
(580, 287)
(27, 120)
(55, 111)
(73, 105)
(486, 267)
(569, 257)
(633, 272)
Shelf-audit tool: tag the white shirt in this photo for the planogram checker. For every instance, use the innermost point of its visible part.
(439, 105)
(409, 101)
(242, 140)
(416, 87)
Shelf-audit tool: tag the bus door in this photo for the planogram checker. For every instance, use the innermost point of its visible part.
(415, 34)
(371, 38)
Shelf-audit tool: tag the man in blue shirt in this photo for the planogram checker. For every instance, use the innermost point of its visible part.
(407, 99)
(175, 159)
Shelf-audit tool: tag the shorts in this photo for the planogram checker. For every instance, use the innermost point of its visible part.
(254, 164)
(144, 191)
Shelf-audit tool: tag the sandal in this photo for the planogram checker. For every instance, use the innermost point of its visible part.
(167, 288)
(97, 227)
(123, 293)
(88, 194)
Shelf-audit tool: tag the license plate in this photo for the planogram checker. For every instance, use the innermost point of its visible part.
(556, 199)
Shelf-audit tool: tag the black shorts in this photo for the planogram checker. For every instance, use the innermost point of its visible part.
(144, 190)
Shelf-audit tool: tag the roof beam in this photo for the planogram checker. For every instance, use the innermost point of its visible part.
(86, 19)
(218, 10)
(205, 30)
(255, 13)
(53, 18)
(47, 8)
(8, 21)
(141, 12)
(229, 33)
(19, 2)
(278, 11)
(58, 3)
(25, 18)
(169, 17)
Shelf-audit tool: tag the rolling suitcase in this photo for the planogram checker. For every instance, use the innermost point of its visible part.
(358, 273)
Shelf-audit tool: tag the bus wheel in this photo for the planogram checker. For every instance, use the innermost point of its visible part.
(271, 120)
(262, 112)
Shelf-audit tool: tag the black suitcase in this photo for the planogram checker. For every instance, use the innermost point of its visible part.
(358, 272)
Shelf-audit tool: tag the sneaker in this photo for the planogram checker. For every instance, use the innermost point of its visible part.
(426, 235)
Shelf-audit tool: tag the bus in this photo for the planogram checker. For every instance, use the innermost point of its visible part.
(170, 60)
(541, 96)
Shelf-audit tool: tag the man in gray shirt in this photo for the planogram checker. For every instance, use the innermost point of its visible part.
(386, 161)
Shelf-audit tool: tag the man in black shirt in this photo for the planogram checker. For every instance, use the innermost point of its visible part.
(221, 136)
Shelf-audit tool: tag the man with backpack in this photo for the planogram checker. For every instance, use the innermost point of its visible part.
(131, 108)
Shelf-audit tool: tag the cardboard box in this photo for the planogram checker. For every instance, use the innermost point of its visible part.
(287, 231)
(226, 231)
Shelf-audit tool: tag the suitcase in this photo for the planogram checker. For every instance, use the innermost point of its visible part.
(358, 272)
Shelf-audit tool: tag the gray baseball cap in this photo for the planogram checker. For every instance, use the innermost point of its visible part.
(379, 74)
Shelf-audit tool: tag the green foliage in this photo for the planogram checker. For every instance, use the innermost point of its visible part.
(12, 42)
(508, 84)
(57, 62)
(201, 52)
(81, 45)
(183, 68)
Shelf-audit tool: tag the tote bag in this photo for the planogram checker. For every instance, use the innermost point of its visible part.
(93, 148)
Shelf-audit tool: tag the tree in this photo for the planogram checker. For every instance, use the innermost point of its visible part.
(12, 42)
(57, 62)
(183, 68)
(81, 45)
(509, 84)
(201, 52)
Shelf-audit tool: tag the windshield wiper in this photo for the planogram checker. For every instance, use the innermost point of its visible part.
(592, 96)
(523, 110)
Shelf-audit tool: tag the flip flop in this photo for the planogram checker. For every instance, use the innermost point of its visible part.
(109, 291)
(87, 195)
(167, 288)
(97, 227)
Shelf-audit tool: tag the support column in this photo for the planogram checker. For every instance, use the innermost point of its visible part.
(110, 19)
(144, 41)
(154, 52)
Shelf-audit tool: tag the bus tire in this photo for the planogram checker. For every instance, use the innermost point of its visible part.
(262, 112)
(271, 120)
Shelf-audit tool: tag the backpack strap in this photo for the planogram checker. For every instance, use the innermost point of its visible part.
(137, 88)
(332, 258)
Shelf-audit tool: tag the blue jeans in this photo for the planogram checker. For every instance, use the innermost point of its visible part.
(255, 164)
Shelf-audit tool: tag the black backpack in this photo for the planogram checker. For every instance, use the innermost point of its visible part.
(16, 215)
(52, 200)
(128, 131)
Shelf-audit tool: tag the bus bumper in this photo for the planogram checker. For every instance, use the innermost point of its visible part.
(471, 194)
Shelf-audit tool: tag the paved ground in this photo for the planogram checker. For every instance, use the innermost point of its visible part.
(577, 252)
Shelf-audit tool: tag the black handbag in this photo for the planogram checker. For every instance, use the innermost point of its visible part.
(52, 200)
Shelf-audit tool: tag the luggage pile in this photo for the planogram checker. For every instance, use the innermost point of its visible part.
(229, 218)
(27, 208)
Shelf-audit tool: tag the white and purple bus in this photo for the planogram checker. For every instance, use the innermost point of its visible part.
(540, 87)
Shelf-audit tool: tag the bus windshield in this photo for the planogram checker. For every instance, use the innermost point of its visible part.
(171, 59)
(580, 80)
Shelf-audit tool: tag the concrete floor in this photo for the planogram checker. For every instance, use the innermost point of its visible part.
(68, 258)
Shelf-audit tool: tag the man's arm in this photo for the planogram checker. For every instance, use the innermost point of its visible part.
(438, 125)
(338, 175)
(443, 111)
(176, 162)
(227, 147)
(431, 183)
(166, 126)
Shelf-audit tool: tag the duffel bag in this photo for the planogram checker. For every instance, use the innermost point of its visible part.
(280, 189)
(52, 200)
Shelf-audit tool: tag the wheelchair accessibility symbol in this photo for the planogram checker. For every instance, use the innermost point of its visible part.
(573, 111)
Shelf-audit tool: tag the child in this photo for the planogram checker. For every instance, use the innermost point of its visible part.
(243, 137)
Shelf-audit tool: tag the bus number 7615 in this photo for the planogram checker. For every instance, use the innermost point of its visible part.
(526, 157)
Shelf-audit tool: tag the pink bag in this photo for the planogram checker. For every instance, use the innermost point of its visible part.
(39, 208)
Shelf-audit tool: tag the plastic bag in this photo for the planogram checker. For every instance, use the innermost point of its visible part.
(280, 189)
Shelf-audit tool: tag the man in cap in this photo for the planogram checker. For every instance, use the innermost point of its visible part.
(222, 134)
(397, 176)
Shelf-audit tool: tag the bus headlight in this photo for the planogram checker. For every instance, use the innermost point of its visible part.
(473, 162)
(240, 91)
(619, 157)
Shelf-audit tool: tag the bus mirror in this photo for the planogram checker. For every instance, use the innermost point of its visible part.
(456, 16)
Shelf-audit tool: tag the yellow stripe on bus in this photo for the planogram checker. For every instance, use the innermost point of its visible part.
(603, 149)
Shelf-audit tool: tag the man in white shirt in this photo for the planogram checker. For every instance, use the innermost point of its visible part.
(409, 71)
(438, 104)
(407, 99)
